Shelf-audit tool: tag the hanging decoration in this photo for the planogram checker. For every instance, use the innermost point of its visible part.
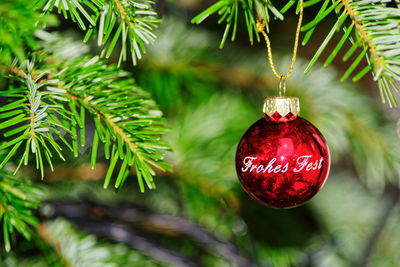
(282, 160)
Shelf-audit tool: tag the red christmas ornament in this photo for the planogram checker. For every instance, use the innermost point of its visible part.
(282, 160)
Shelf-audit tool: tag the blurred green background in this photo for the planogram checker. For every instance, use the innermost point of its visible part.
(199, 215)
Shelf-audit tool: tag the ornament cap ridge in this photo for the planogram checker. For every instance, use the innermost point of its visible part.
(281, 104)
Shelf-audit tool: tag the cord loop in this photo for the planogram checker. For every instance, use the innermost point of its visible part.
(282, 84)
(260, 28)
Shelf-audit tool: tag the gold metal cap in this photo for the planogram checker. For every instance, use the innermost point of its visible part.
(281, 104)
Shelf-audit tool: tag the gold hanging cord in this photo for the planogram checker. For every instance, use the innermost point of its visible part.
(282, 78)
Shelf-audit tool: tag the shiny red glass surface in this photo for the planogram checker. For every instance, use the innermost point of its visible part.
(282, 162)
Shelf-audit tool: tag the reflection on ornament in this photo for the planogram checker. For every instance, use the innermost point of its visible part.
(282, 160)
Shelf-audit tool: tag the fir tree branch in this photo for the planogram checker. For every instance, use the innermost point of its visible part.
(17, 199)
(132, 137)
(228, 12)
(30, 119)
(74, 8)
(85, 86)
(373, 28)
(363, 34)
(375, 31)
(130, 21)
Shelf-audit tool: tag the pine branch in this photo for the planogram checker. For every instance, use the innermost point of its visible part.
(17, 199)
(373, 28)
(133, 137)
(86, 86)
(29, 118)
(75, 9)
(228, 11)
(137, 21)
(130, 22)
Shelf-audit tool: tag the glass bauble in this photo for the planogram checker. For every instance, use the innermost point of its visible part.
(282, 161)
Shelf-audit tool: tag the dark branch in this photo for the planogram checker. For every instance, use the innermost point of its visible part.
(100, 220)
